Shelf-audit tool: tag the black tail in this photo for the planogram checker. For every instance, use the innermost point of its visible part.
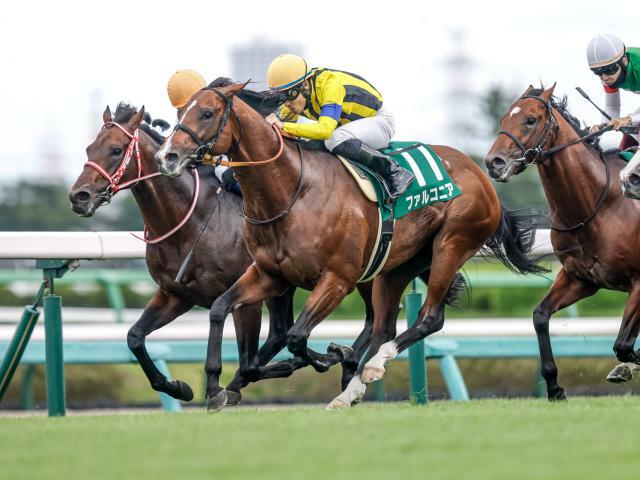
(513, 240)
(458, 285)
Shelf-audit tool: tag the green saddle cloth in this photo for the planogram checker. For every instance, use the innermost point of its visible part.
(432, 183)
(626, 155)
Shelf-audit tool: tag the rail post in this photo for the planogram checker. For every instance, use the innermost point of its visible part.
(417, 362)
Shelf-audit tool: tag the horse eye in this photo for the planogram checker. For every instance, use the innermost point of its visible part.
(116, 151)
(531, 121)
(206, 115)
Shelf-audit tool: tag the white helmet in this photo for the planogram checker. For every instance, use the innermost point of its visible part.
(604, 49)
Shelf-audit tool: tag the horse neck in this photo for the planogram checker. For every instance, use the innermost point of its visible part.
(267, 188)
(572, 178)
(163, 201)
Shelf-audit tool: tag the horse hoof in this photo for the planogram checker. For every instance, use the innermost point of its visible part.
(558, 396)
(233, 398)
(338, 404)
(345, 352)
(372, 374)
(620, 374)
(320, 367)
(184, 391)
(217, 403)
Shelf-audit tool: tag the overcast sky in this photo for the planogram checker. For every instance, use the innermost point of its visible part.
(58, 56)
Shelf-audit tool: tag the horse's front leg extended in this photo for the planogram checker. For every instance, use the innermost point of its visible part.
(252, 287)
(325, 297)
(162, 309)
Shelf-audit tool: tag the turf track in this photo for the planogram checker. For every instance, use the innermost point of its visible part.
(488, 439)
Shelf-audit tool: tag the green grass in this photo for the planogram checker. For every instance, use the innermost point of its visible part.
(491, 439)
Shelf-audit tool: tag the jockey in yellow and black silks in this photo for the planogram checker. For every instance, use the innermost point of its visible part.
(349, 113)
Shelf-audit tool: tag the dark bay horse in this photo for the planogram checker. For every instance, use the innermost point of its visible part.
(307, 224)
(595, 230)
(219, 258)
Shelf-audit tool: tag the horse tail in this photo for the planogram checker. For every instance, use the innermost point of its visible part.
(513, 240)
(458, 285)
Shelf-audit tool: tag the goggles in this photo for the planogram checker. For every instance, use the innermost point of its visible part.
(293, 92)
(606, 70)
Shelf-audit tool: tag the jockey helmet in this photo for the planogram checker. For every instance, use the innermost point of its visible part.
(286, 71)
(604, 50)
(182, 85)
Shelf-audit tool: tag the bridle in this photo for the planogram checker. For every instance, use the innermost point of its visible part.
(115, 185)
(114, 179)
(204, 153)
(538, 154)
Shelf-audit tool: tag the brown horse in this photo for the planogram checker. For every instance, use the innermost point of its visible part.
(219, 258)
(594, 229)
(308, 225)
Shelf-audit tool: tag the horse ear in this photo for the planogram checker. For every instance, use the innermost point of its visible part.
(235, 88)
(106, 116)
(548, 93)
(136, 120)
(528, 90)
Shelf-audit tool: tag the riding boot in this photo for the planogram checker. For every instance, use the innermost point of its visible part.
(397, 178)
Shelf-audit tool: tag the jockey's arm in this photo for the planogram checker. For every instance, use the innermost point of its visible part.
(321, 130)
(611, 103)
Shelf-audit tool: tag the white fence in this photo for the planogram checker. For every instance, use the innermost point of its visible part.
(114, 245)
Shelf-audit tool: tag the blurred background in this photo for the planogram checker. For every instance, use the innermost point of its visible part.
(448, 71)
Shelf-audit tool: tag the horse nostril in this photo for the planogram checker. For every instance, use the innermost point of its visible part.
(171, 157)
(497, 162)
(634, 180)
(81, 196)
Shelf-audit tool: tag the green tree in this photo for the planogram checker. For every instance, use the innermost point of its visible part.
(44, 206)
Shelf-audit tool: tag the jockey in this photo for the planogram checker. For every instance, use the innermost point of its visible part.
(180, 88)
(351, 119)
(617, 67)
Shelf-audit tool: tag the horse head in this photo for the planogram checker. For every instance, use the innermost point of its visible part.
(205, 129)
(110, 159)
(524, 131)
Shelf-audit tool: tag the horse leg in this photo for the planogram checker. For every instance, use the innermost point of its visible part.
(247, 321)
(324, 298)
(624, 344)
(453, 249)
(280, 320)
(387, 292)
(162, 309)
(252, 287)
(352, 359)
(564, 291)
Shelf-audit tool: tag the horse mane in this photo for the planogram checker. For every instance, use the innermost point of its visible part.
(124, 113)
(561, 105)
(264, 103)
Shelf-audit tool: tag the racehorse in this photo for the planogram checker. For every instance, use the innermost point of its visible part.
(306, 224)
(218, 259)
(594, 229)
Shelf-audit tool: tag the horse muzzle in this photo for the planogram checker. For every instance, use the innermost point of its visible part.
(83, 202)
(170, 164)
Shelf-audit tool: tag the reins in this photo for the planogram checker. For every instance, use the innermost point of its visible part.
(539, 155)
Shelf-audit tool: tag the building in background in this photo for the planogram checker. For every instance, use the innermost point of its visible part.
(251, 60)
